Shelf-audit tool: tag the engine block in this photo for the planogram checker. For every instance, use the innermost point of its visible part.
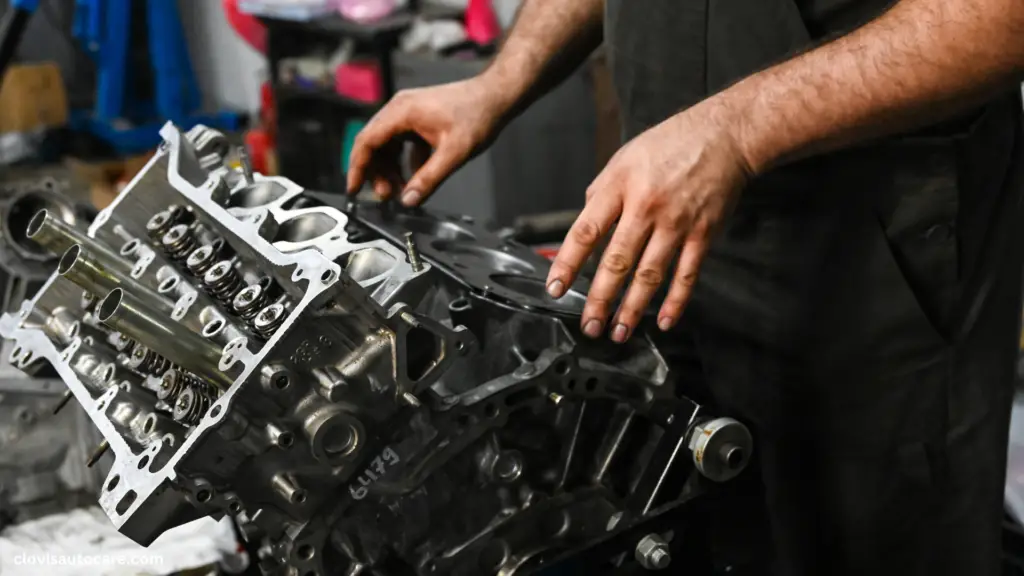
(365, 390)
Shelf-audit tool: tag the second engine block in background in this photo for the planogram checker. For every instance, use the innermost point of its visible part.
(365, 391)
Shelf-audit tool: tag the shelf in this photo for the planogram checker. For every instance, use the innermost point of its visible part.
(284, 92)
(389, 26)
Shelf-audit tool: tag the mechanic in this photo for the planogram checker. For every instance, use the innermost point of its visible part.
(847, 175)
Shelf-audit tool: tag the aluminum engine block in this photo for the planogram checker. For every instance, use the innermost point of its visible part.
(365, 390)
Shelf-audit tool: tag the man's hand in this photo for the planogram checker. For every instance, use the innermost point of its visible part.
(669, 189)
(453, 122)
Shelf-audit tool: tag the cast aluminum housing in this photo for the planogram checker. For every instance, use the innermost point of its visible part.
(365, 390)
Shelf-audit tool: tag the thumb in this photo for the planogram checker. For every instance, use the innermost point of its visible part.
(445, 160)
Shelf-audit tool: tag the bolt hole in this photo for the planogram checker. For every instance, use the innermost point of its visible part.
(215, 412)
(168, 284)
(491, 411)
(144, 462)
(299, 497)
(464, 421)
(235, 507)
(570, 385)
(150, 424)
(203, 496)
(27, 358)
(460, 346)
(213, 328)
(285, 440)
(281, 382)
(306, 552)
(327, 276)
(591, 384)
(129, 247)
(113, 483)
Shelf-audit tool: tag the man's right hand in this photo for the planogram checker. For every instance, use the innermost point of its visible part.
(453, 122)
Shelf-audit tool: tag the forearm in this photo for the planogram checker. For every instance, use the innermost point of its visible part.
(549, 40)
(918, 63)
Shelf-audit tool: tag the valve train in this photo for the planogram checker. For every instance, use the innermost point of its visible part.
(365, 390)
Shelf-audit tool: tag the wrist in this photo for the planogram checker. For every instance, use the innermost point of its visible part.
(503, 90)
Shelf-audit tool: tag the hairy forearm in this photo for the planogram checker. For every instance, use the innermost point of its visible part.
(920, 62)
(549, 40)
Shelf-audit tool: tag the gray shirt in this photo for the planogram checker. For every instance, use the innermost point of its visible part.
(667, 55)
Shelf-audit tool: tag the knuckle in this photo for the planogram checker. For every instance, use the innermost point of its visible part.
(688, 279)
(615, 262)
(586, 232)
(649, 277)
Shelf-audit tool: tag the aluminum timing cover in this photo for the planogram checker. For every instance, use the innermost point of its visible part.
(365, 391)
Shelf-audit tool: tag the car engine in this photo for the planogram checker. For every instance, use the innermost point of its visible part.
(364, 389)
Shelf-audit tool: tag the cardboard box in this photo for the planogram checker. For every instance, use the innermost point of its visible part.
(32, 97)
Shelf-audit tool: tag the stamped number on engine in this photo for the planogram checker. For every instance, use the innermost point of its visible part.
(377, 468)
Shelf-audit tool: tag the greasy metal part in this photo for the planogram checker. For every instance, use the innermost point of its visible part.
(410, 249)
(97, 454)
(652, 553)
(100, 272)
(358, 405)
(148, 325)
(721, 448)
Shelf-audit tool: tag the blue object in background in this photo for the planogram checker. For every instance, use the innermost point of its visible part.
(352, 129)
(132, 126)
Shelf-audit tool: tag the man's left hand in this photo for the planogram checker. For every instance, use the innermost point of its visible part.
(669, 189)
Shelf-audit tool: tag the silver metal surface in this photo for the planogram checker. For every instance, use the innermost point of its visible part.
(652, 553)
(354, 404)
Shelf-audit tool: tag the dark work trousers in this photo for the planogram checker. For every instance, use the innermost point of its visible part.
(861, 311)
(863, 317)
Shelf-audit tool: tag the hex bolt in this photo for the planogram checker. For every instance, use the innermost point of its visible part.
(414, 255)
(652, 553)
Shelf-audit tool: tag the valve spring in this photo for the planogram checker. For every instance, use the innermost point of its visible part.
(123, 343)
(248, 303)
(146, 361)
(191, 405)
(163, 221)
(175, 380)
(179, 242)
(223, 282)
(268, 320)
(201, 260)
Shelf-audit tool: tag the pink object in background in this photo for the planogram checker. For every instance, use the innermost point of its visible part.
(481, 22)
(246, 26)
(360, 81)
(365, 10)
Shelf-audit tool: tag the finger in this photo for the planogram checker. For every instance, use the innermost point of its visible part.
(445, 159)
(389, 123)
(649, 276)
(694, 249)
(381, 188)
(618, 259)
(590, 226)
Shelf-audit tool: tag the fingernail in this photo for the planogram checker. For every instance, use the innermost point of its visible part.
(556, 288)
(664, 323)
(592, 328)
(620, 333)
(411, 197)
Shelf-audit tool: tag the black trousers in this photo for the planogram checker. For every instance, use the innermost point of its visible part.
(865, 321)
